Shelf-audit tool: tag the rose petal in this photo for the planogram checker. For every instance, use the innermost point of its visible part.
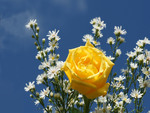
(98, 92)
(81, 87)
(88, 44)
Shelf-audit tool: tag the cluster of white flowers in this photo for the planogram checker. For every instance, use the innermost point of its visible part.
(98, 25)
(57, 89)
(143, 83)
(52, 70)
(104, 109)
(117, 85)
(118, 100)
(138, 50)
(48, 108)
(115, 43)
(91, 39)
(146, 71)
(53, 40)
(141, 43)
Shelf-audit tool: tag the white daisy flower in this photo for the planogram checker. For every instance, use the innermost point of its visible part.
(52, 57)
(40, 78)
(52, 72)
(118, 30)
(110, 40)
(136, 94)
(138, 49)
(36, 102)
(59, 64)
(31, 23)
(147, 53)
(124, 71)
(146, 71)
(110, 57)
(29, 86)
(120, 78)
(126, 99)
(140, 43)
(88, 37)
(44, 93)
(53, 44)
(143, 83)
(44, 64)
(131, 54)
(96, 43)
(146, 41)
(133, 65)
(102, 99)
(140, 57)
(53, 35)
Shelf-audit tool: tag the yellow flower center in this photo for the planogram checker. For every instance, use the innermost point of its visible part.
(53, 58)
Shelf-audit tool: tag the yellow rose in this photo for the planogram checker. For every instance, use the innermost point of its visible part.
(87, 69)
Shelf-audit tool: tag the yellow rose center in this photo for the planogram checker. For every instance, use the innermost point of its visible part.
(86, 63)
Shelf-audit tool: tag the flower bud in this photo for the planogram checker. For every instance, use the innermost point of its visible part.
(58, 95)
(51, 51)
(38, 48)
(50, 100)
(35, 43)
(39, 58)
(51, 94)
(32, 90)
(37, 35)
(115, 74)
(35, 25)
(37, 29)
(118, 52)
(37, 94)
(43, 40)
(57, 56)
(31, 25)
(31, 95)
(121, 39)
(55, 95)
(33, 36)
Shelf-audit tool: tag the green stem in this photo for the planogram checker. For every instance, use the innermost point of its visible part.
(86, 105)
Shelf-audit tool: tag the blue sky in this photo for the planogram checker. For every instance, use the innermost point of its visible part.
(71, 17)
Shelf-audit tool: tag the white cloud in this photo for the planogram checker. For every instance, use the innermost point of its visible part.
(15, 25)
(14, 31)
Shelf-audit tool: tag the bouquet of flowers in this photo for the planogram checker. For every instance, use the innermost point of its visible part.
(86, 81)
